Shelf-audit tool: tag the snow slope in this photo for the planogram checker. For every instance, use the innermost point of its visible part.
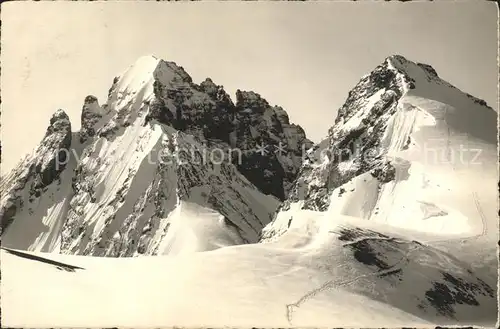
(409, 150)
(353, 276)
(159, 140)
(390, 222)
(196, 228)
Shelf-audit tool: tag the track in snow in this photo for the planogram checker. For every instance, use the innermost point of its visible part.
(484, 226)
(331, 284)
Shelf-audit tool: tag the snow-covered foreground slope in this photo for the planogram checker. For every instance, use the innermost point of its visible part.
(391, 221)
(354, 276)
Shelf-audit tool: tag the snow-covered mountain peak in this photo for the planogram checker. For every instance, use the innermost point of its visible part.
(38, 170)
(385, 82)
(136, 81)
(407, 66)
(421, 78)
(392, 215)
(157, 143)
(411, 154)
(404, 134)
(143, 65)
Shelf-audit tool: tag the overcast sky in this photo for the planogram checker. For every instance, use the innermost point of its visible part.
(303, 56)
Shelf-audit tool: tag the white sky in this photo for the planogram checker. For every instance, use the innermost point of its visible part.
(304, 56)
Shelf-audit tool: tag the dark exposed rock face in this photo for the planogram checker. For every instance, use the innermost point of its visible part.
(218, 119)
(263, 147)
(53, 150)
(451, 291)
(91, 114)
(7, 213)
(266, 147)
(181, 174)
(360, 144)
(394, 260)
(380, 78)
(361, 243)
(41, 169)
(384, 173)
(270, 143)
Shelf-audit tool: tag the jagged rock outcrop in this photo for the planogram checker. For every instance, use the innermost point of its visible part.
(264, 138)
(51, 155)
(376, 94)
(390, 124)
(91, 114)
(270, 143)
(157, 150)
(32, 176)
(375, 221)
(136, 217)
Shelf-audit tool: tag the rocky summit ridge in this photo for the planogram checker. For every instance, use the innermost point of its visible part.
(393, 214)
(115, 186)
(154, 109)
(399, 120)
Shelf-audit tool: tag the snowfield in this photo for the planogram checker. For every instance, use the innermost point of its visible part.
(350, 277)
(401, 233)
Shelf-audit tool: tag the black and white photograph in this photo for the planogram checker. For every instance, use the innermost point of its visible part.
(249, 164)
